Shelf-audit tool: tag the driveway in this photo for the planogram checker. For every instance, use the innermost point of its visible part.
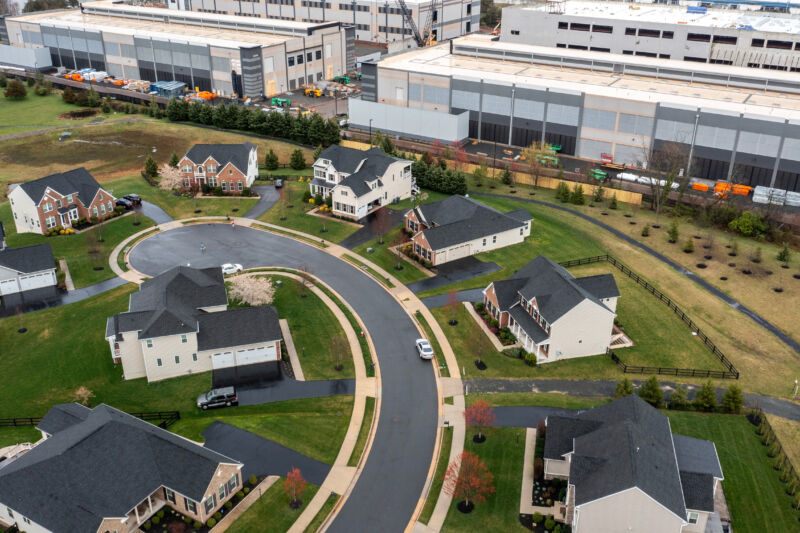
(453, 272)
(269, 196)
(261, 457)
(389, 487)
(154, 213)
(374, 224)
(468, 295)
(291, 389)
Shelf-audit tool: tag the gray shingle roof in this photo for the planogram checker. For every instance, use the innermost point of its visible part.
(62, 416)
(600, 286)
(28, 258)
(73, 181)
(102, 467)
(696, 455)
(526, 322)
(698, 491)
(631, 446)
(237, 327)
(459, 219)
(237, 154)
(364, 166)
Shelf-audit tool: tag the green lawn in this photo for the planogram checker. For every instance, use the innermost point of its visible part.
(755, 495)
(315, 330)
(363, 266)
(549, 236)
(438, 477)
(312, 426)
(384, 258)
(271, 512)
(546, 399)
(296, 218)
(35, 112)
(426, 197)
(180, 207)
(75, 248)
(287, 172)
(18, 434)
(323, 513)
(64, 349)
(502, 452)
(363, 432)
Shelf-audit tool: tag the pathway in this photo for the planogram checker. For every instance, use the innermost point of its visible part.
(269, 196)
(684, 272)
(62, 264)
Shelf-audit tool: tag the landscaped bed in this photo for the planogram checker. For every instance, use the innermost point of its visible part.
(271, 513)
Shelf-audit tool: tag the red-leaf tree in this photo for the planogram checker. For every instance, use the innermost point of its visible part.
(437, 148)
(468, 479)
(480, 415)
(295, 485)
(460, 159)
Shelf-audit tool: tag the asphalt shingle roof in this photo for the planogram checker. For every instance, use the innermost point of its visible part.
(458, 219)
(528, 324)
(62, 416)
(237, 327)
(600, 286)
(102, 467)
(73, 181)
(364, 166)
(698, 491)
(2, 236)
(236, 154)
(696, 455)
(28, 258)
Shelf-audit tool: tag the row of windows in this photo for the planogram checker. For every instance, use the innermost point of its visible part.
(392, 10)
(298, 59)
(311, 3)
(779, 45)
(422, 252)
(393, 29)
(352, 7)
(281, 2)
(344, 208)
(159, 362)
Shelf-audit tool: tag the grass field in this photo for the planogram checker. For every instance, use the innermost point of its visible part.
(75, 248)
(363, 432)
(271, 512)
(384, 258)
(438, 477)
(312, 426)
(297, 219)
(36, 112)
(788, 432)
(502, 453)
(323, 513)
(315, 331)
(545, 399)
(755, 495)
(18, 434)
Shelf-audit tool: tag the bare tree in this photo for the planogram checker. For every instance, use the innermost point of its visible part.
(252, 290)
(339, 346)
(663, 167)
(533, 155)
(305, 278)
(9, 7)
(170, 178)
(381, 223)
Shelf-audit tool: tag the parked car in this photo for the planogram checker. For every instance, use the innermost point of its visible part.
(231, 268)
(135, 199)
(424, 349)
(278, 183)
(224, 397)
(124, 202)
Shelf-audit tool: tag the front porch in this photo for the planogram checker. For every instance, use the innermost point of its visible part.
(145, 509)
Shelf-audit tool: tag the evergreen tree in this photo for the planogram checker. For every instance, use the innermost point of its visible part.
(243, 118)
(150, 167)
(193, 112)
(706, 398)
(15, 90)
(598, 193)
(317, 151)
(673, 231)
(733, 400)
(679, 399)
(479, 174)
(576, 197)
(316, 130)
(505, 176)
(68, 95)
(298, 161)
(174, 160)
(613, 203)
(651, 392)
(206, 114)
(387, 145)
(271, 160)
(623, 388)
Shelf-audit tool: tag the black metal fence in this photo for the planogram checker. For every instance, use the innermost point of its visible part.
(162, 419)
(731, 373)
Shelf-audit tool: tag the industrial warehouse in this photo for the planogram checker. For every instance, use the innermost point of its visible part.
(381, 22)
(733, 122)
(224, 54)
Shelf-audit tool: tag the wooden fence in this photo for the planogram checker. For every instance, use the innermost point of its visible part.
(162, 419)
(731, 373)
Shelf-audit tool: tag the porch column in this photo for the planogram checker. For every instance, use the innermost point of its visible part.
(150, 503)
(537, 352)
(136, 511)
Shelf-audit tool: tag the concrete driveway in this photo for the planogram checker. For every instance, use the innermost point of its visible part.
(394, 475)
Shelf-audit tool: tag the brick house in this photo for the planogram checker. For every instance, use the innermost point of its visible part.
(232, 167)
(58, 200)
(554, 314)
(360, 181)
(627, 471)
(101, 470)
(179, 324)
(458, 227)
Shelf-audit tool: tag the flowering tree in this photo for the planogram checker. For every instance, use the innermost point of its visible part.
(480, 415)
(171, 178)
(468, 479)
(294, 486)
(252, 290)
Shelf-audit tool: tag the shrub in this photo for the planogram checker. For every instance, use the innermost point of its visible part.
(494, 323)
(562, 192)
(196, 524)
(228, 504)
(706, 398)
(156, 520)
(160, 513)
(537, 518)
(646, 231)
(15, 90)
(211, 522)
(247, 490)
(673, 232)
(329, 201)
(253, 480)
(479, 307)
(733, 400)
(505, 177)
(613, 203)
(240, 495)
(651, 392)
(187, 519)
(623, 388)
(217, 515)
(3, 80)
(689, 246)
(679, 398)
(530, 359)
(557, 529)
(147, 526)
(306, 196)
(783, 255)
(576, 197)
(549, 524)
(749, 224)
(318, 199)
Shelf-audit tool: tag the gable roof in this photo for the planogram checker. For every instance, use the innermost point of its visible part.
(73, 181)
(238, 327)
(62, 416)
(236, 154)
(697, 455)
(101, 467)
(459, 219)
(556, 290)
(698, 491)
(28, 258)
(364, 166)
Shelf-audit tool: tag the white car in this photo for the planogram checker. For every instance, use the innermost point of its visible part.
(424, 349)
(231, 268)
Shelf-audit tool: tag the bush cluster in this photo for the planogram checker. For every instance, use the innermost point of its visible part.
(437, 178)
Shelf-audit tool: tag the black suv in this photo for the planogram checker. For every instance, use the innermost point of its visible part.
(226, 396)
(133, 198)
(124, 202)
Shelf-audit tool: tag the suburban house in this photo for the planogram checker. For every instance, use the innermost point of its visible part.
(232, 167)
(101, 470)
(459, 226)
(29, 271)
(58, 200)
(359, 181)
(178, 323)
(554, 314)
(626, 471)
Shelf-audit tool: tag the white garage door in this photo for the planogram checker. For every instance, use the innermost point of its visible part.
(261, 354)
(35, 281)
(222, 360)
(9, 286)
(458, 252)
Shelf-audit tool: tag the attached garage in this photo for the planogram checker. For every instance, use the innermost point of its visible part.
(260, 354)
(8, 286)
(36, 281)
(222, 360)
(26, 269)
(457, 252)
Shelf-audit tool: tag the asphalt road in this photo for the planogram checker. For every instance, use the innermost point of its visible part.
(391, 483)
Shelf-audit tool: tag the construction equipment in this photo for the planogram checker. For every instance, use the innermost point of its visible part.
(280, 102)
(314, 93)
(598, 174)
(547, 160)
(496, 30)
(342, 79)
(424, 37)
